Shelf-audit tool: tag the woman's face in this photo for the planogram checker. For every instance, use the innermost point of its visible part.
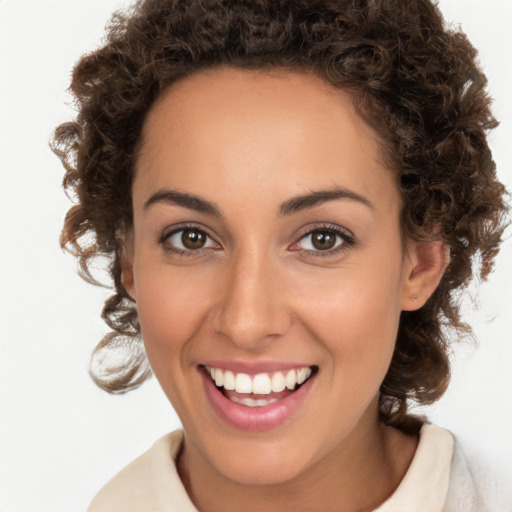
(266, 240)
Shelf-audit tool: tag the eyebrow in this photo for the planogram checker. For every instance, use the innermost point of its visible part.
(318, 197)
(189, 201)
(293, 205)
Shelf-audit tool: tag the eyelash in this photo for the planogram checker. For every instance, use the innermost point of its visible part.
(347, 240)
(166, 235)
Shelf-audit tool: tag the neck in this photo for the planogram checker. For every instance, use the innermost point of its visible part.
(358, 475)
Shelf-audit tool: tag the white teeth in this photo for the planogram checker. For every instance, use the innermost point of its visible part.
(250, 402)
(278, 382)
(219, 377)
(291, 379)
(229, 381)
(303, 375)
(243, 383)
(260, 384)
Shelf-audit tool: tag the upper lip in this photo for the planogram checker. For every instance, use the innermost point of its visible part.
(253, 368)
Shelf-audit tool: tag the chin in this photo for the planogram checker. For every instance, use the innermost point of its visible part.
(250, 469)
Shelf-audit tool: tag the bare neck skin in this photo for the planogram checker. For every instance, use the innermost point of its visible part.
(356, 477)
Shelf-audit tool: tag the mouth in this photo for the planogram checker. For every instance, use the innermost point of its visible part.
(261, 389)
(257, 401)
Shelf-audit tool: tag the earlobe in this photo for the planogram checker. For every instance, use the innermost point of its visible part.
(424, 268)
(127, 277)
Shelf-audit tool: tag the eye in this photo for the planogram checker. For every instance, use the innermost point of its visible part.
(320, 240)
(324, 239)
(187, 240)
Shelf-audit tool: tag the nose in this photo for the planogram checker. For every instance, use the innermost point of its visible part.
(252, 307)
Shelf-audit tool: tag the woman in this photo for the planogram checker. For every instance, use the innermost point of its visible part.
(292, 195)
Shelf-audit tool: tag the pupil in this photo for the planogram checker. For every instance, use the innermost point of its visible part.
(193, 239)
(323, 240)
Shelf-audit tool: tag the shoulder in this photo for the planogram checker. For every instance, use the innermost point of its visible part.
(424, 486)
(140, 485)
(444, 476)
(475, 485)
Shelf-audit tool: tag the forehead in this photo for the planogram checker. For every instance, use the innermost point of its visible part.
(257, 131)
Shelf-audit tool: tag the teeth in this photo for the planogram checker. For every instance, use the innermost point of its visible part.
(278, 382)
(243, 383)
(291, 379)
(250, 402)
(229, 381)
(303, 375)
(260, 384)
(219, 377)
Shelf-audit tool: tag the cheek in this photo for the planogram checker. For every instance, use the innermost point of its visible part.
(356, 317)
(172, 304)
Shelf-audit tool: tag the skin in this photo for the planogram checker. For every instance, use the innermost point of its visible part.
(247, 142)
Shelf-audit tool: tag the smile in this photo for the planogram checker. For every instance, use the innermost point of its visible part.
(260, 384)
(257, 401)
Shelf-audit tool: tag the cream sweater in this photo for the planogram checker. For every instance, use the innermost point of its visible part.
(439, 479)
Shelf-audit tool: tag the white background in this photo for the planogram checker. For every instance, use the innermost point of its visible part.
(62, 438)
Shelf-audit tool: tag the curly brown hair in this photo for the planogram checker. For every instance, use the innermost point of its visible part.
(415, 81)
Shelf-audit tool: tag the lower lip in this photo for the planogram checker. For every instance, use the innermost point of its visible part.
(255, 419)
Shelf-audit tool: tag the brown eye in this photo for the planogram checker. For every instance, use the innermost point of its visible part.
(193, 239)
(187, 240)
(323, 240)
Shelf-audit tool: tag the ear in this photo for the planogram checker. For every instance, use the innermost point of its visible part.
(127, 256)
(424, 266)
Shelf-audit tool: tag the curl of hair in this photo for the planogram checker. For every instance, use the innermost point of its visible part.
(415, 81)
